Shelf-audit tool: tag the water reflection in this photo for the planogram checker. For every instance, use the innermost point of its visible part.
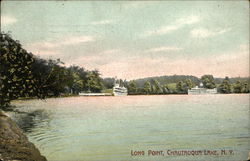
(28, 120)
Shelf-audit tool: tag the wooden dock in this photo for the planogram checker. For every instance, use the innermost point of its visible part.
(95, 94)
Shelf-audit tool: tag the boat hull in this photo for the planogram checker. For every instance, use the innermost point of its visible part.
(120, 94)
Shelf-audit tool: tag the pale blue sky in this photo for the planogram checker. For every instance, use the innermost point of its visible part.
(132, 39)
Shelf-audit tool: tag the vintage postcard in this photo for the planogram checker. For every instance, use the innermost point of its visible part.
(124, 80)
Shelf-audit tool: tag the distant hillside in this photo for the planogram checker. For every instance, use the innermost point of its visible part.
(232, 80)
(176, 78)
(167, 79)
(172, 79)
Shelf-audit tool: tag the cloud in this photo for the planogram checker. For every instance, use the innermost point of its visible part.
(205, 33)
(103, 22)
(71, 40)
(46, 53)
(42, 49)
(162, 30)
(174, 26)
(7, 20)
(47, 48)
(95, 60)
(76, 40)
(164, 49)
(111, 51)
(90, 59)
(188, 20)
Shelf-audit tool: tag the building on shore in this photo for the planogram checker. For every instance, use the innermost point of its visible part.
(201, 90)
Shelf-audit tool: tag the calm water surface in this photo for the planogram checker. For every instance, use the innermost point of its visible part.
(108, 128)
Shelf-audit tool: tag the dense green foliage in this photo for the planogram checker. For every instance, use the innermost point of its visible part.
(55, 79)
(132, 88)
(16, 76)
(24, 75)
(94, 83)
(232, 80)
(239, 87)
(50, 75)
(153, 86)
(108, 82)
(180, 87)
(147, 87)
(208, 81)
(225, 86)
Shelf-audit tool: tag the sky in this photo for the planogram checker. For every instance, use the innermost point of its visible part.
(135, 39)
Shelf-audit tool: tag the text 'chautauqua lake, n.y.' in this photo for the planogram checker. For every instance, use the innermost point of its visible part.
(169, 152)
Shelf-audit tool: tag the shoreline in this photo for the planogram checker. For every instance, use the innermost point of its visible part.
(14, 143)
(30, 98)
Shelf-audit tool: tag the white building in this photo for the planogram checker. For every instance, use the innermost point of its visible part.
(201, 90)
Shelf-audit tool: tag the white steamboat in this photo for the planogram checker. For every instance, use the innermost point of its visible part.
(119, 90)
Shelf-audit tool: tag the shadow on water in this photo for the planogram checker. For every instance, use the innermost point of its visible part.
(33, 119)
(28, 120)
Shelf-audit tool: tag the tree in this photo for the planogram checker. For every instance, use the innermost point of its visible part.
(188, 84)
(208, 81)
(246, 88)
(225, 86)
(147, 87)
(51, 77)
(126, 83)
(16, 77)
(237, 88)
(77, 85)
(24, 75)
(157, 87)
(94, 82)
(166, 89)
(109, 82)
(132, 87)
(77, 81)
(180, 87)
(241, 87)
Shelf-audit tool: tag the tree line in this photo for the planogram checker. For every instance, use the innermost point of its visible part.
(23, 74)
(153, 86)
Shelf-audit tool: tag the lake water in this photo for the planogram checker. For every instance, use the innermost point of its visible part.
(108, 128)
